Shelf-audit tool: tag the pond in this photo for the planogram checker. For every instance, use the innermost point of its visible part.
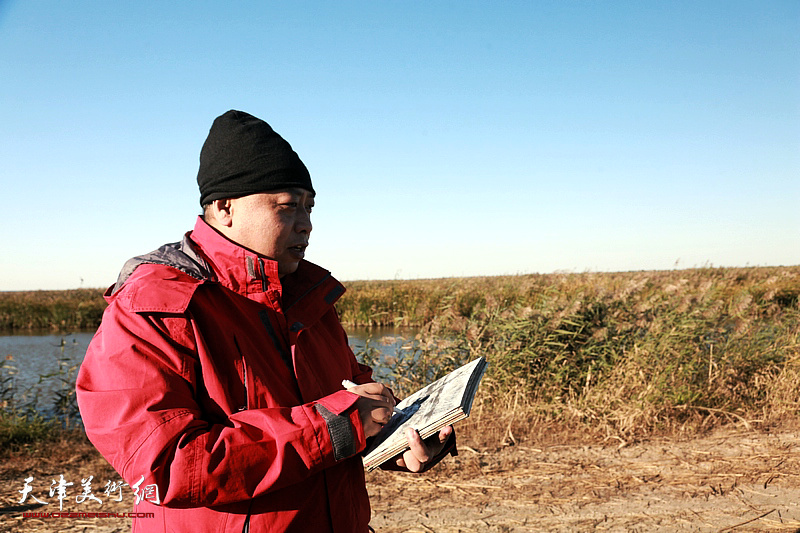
(39, 368)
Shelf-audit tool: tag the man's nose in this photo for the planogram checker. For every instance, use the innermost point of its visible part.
(303, 223)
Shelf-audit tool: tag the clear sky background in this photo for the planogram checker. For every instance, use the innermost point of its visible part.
(444, 138)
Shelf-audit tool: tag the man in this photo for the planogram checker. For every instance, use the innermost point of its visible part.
(213, 385)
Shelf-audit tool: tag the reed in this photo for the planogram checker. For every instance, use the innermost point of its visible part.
(54, 310)
(612, 355)
(620, 355)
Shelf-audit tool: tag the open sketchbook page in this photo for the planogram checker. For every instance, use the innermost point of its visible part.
(428, 410)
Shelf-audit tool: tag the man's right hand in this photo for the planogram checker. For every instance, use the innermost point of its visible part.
(374, 406)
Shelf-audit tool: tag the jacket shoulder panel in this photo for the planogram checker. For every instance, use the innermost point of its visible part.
(182, 255)
(158, 289)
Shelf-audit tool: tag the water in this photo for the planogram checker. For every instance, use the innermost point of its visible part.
(391, 343)
(39, 366)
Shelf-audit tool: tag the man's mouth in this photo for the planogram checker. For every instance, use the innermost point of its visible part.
(299, 248)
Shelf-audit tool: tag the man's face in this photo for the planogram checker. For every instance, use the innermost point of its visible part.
(274, 224)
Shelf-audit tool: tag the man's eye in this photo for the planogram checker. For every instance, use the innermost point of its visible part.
(290, 204)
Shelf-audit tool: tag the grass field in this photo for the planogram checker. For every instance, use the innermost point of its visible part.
(52, 310)
(617, 355)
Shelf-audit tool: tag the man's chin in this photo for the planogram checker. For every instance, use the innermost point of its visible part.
(287, 268)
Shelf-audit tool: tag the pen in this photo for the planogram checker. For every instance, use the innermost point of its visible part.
(347, 384)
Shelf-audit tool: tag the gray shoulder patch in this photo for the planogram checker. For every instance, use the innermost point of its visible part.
(180, 255)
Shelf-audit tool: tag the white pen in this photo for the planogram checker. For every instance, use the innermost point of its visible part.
(347, 384)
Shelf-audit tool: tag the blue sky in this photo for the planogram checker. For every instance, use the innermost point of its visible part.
(444, 138)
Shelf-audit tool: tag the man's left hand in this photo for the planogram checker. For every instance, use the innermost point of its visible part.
(422, 451)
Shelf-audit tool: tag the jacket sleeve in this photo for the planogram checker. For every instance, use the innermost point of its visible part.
(136, 392)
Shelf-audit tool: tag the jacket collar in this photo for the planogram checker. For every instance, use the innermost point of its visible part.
(250, 274)
(235, 267)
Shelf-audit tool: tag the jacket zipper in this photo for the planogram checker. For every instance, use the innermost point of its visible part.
(246, 527)
(246, 404)
(246, 388)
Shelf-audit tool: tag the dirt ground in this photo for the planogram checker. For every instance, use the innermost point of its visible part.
(729, 480)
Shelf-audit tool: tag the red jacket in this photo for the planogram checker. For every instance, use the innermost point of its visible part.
(221, 387)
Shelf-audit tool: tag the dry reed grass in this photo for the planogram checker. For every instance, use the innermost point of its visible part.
(618, 356)
(54, 310)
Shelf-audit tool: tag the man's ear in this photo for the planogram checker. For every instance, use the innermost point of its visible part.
(221, 213)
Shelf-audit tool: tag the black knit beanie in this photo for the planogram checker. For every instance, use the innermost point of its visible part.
(243, 155)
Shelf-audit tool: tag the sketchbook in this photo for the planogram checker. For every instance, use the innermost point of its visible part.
(443, 402)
